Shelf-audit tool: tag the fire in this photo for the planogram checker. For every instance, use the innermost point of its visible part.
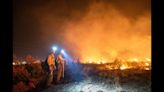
(98, 32)
(89, 61)
(148, 59)
(103, 61)
(122, 64)
(147, 68)
(123, 67)
(135, 59)
(146, 64)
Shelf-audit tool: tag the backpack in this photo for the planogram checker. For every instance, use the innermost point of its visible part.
(45, 65)
(56, 64)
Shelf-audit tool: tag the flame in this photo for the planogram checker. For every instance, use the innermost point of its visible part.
(123, 67)
(103, 60)
(147, 64)
(135, 59)
(148, 59)
(124, 64)
(147, 68)
(98, 32)
(108, 35)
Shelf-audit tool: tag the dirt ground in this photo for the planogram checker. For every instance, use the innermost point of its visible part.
(106, 81)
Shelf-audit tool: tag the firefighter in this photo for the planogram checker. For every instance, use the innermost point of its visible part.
(52, 68)
(60, 68)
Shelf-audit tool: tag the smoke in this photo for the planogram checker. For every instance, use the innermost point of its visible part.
(100, 30)
(104, 32)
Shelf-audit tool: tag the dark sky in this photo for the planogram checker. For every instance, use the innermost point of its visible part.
(38, 24)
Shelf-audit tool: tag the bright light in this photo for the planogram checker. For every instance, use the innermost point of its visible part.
(147, 68)
(54, 48)
(62, 51)
(135, 59)
(24, 62)
(98, 62)
(123, 67)
(148, 59)
(14, 63)
(91, 61)
(103, 62)
(147, 64)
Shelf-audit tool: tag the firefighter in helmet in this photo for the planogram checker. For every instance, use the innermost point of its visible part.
(60, 67)
(52, 68)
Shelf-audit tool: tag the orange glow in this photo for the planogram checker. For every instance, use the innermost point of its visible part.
(135, 59)
(124, 64)
(127, 65)
(123, 67)
(147, 68)
(148, 59)
(109, 35)
(147, 64)
(102, 34)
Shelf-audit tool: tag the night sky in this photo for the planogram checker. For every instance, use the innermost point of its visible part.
(39, 24)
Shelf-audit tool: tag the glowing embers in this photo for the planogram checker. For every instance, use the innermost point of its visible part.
(121, 64)
(101, 60)
(123, 67)
(24, 62)
(135, 59)
(147, 64)
(147, 68)
(126, 65)
(148, 59)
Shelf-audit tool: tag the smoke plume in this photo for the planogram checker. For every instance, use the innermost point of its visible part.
(105, 33)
